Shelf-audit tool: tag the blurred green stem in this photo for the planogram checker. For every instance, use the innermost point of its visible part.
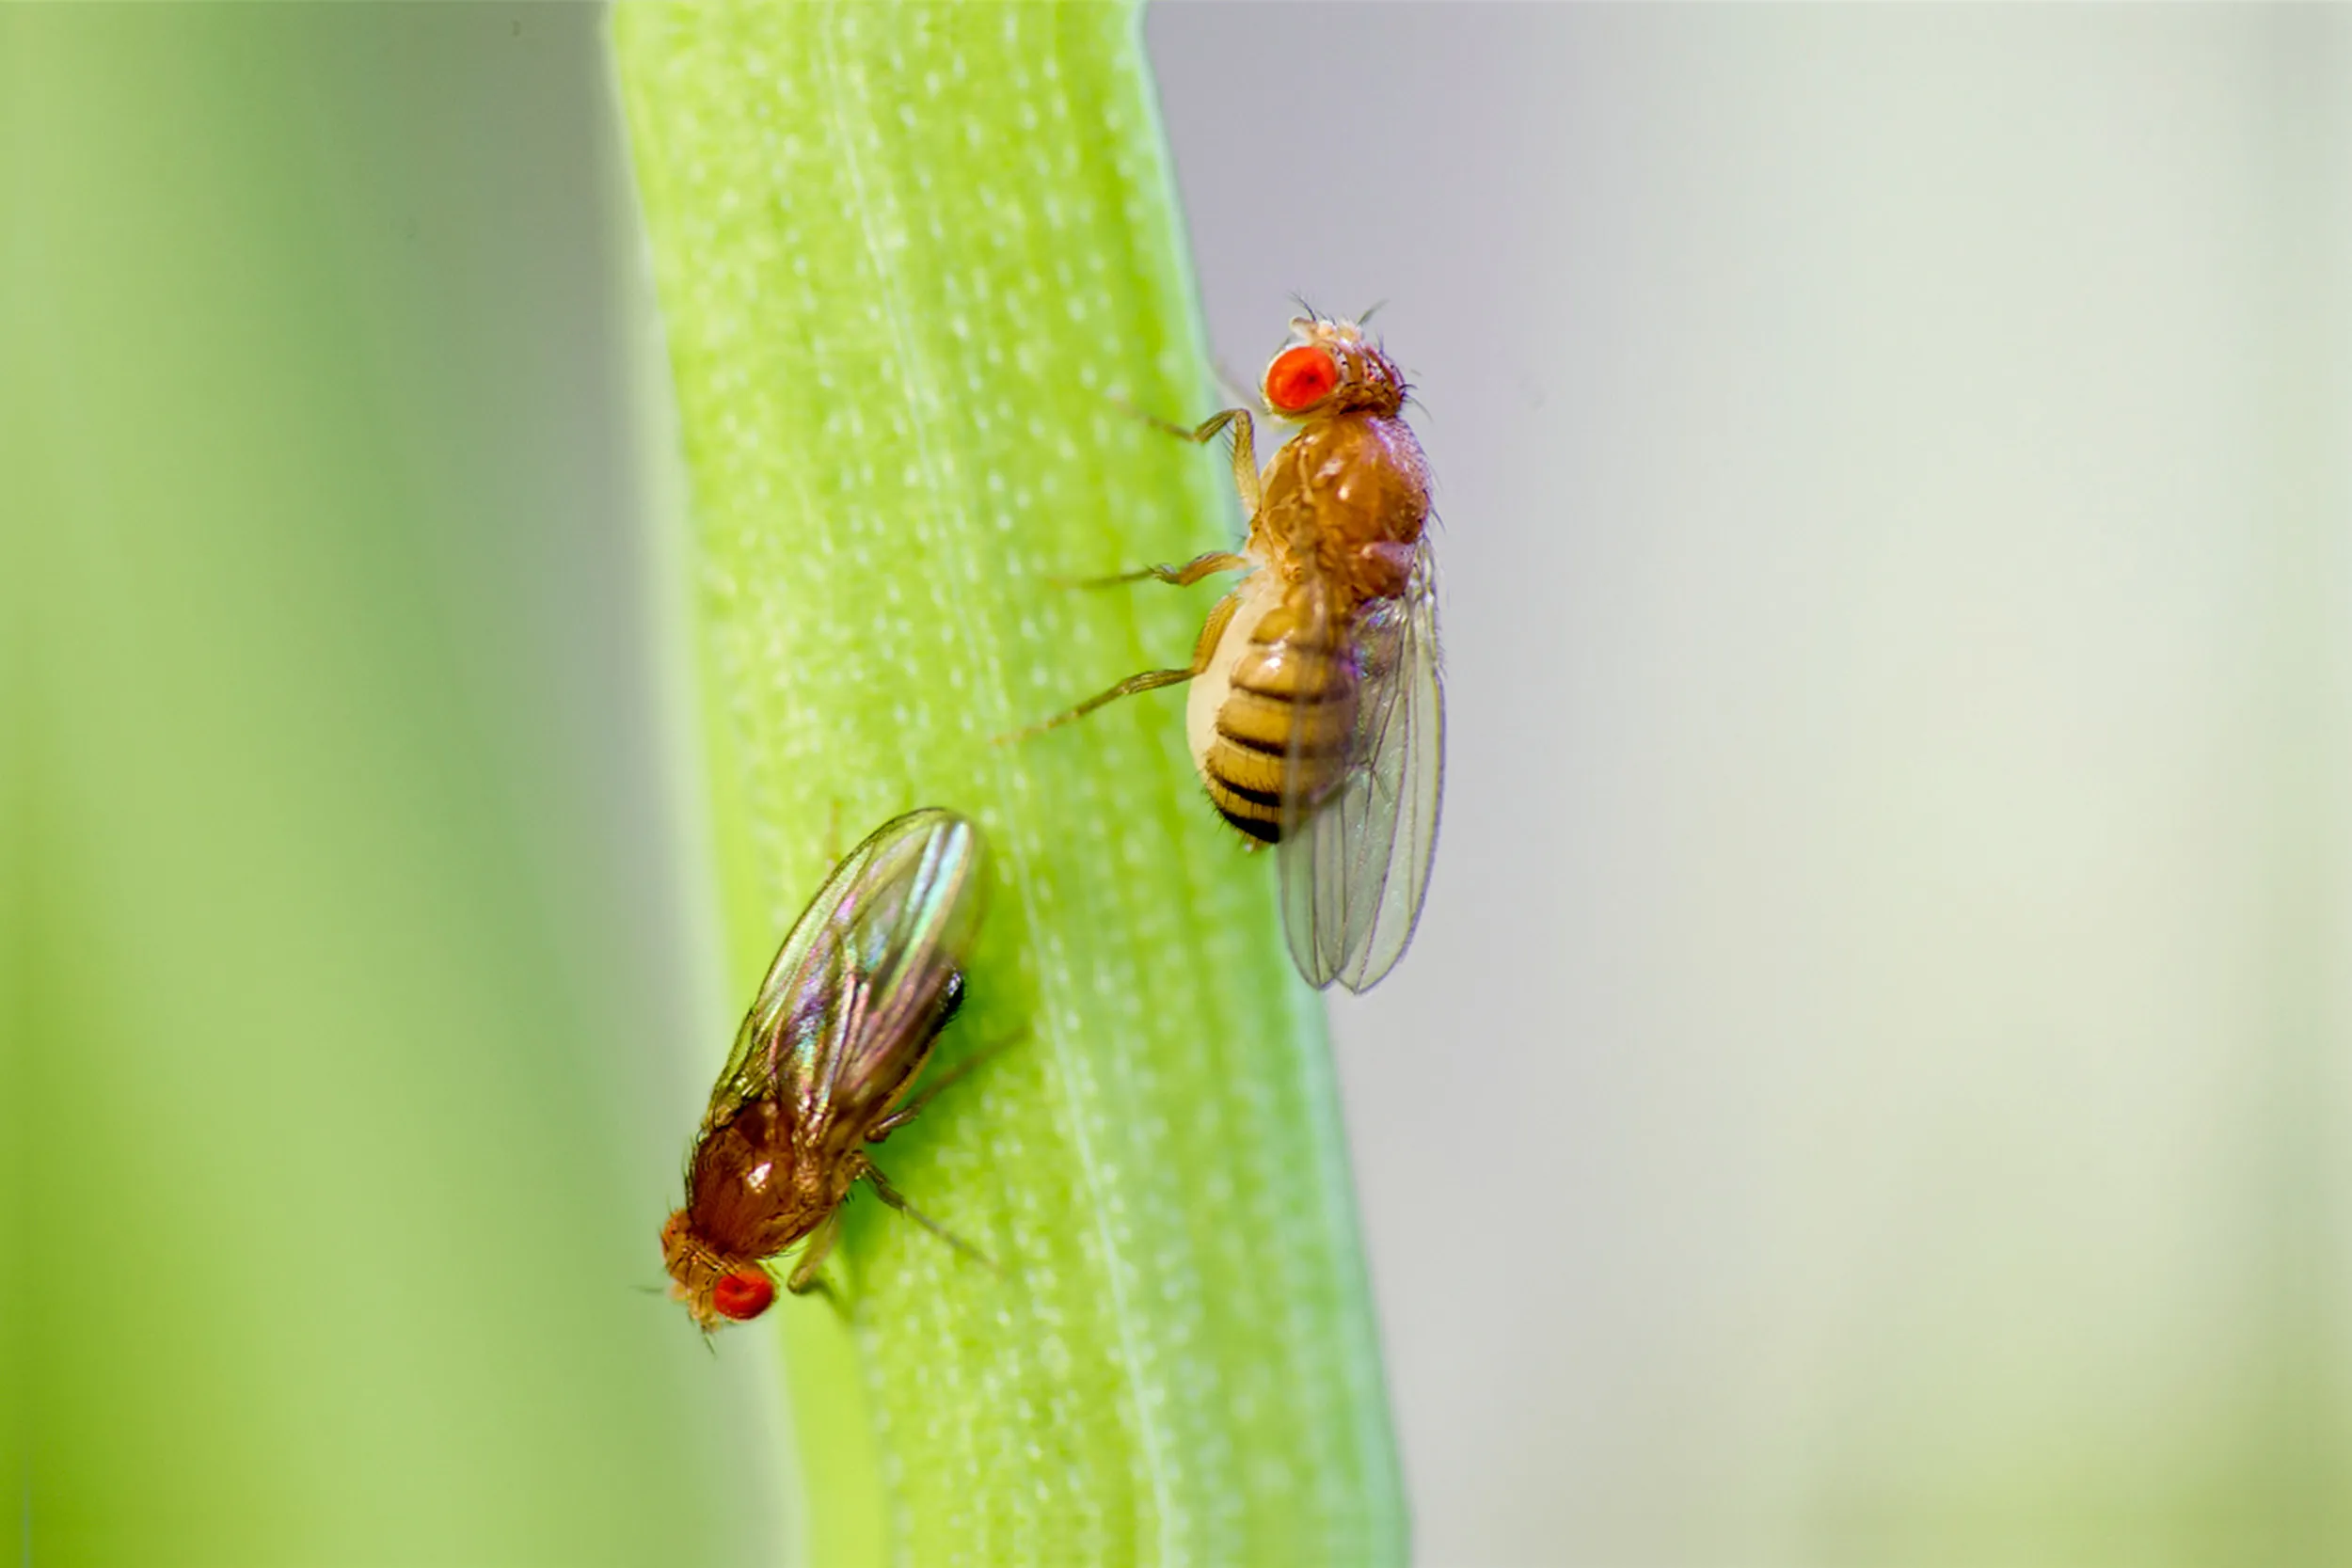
(911, 261)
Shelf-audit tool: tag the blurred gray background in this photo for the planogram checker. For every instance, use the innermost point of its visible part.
(1871, 1084)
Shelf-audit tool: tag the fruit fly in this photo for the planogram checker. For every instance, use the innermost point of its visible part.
(824, 1064)
(1317, 717)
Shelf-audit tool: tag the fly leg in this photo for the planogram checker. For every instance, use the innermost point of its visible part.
(905, 1112)
(803, 1278)
(1182, 577)
(1245, 447)
(890, 1195)
(1151, 680)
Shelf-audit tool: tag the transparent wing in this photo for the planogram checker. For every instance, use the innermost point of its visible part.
(859, 988)
(1356, 853)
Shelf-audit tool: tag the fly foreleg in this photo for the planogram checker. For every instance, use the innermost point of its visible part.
(1245, 445)
(803, 1279)
(1245, 452)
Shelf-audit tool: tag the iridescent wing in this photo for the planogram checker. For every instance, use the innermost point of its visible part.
(863, 983)
(1356, 857)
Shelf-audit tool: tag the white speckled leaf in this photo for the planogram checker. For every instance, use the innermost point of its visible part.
(908, 258)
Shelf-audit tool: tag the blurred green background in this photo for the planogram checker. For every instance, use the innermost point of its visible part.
(361, 918)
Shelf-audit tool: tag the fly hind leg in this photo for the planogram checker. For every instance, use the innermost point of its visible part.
(1182, 577)
(904, 1114)
(1151, 680)
(891, 1195)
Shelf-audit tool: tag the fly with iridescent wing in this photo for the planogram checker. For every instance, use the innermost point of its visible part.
(825, 1064)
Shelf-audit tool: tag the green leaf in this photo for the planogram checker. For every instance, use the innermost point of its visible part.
(341, 912)
(917, 266)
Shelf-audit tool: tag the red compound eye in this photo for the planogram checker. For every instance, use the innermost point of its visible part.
(743, 1296)
(1301, 376)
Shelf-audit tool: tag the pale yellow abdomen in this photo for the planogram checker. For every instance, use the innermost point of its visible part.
(1275, 684)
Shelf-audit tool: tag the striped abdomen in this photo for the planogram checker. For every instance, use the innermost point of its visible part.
(1279, 681)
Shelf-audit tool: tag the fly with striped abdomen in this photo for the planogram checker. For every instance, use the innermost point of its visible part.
(1316, 715)
(825, 1064)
